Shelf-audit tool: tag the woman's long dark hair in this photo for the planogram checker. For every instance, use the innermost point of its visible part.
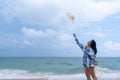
(93, 46)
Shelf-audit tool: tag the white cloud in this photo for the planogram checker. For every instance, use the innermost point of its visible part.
(29, 32)
(47, 37)
(32, 32)
(96, 34)
(26, 42)
(46, 34)
(96, 11)
(110, 45)
(65, 37)
(53, 11)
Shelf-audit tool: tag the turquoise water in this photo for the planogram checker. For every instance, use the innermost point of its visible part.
(55, 65)
(110, 63)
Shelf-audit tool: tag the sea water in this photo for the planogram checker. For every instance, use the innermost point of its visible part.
(57, 68)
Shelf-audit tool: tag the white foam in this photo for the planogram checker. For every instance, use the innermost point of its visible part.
(23, 74)
(107, 74)
(102, 74)
(105, 70)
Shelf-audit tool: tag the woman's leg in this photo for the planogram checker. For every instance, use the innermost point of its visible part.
(92, 73)
(86, 70)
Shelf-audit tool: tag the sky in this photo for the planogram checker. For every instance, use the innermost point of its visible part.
(41, 28)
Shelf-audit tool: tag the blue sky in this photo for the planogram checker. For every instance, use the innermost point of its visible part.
(41, 28)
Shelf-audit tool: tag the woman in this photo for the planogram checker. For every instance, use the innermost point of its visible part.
(89, 57)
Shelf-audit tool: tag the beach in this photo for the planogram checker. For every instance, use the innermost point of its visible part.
(26, 79)
(80, 77)
(56, 69)
(102, 74)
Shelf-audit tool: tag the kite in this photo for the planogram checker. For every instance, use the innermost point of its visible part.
(70, 16)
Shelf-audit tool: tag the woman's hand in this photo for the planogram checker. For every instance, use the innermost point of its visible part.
(74, 35)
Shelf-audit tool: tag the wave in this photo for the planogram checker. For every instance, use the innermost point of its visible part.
(102, 74)
(107, 74)
(105, 70)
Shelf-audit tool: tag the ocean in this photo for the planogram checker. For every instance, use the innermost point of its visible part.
(57, 68)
